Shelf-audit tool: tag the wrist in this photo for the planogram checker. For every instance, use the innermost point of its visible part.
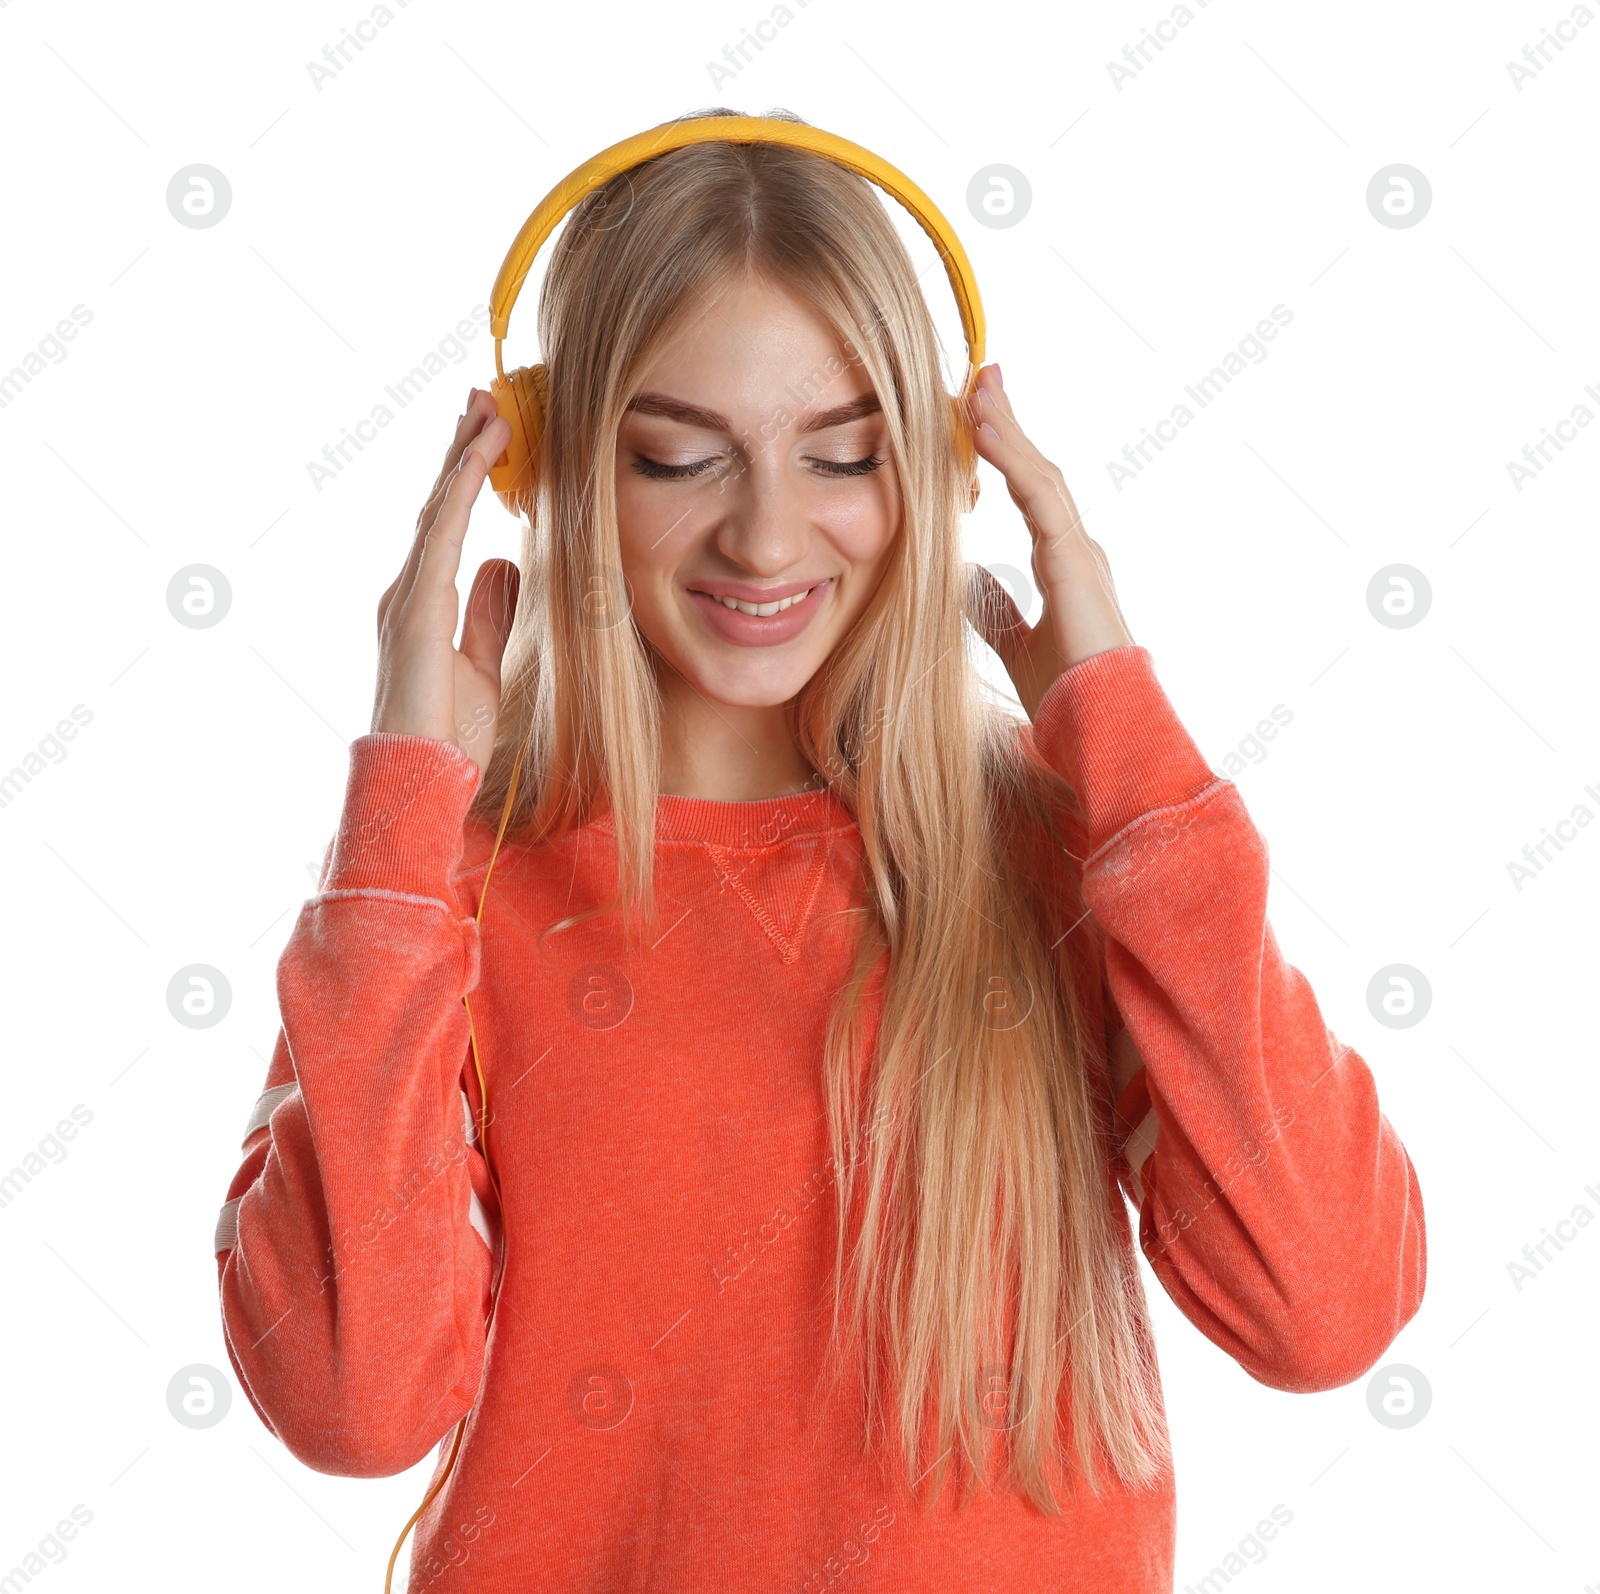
(393, 716)
(1080, 632)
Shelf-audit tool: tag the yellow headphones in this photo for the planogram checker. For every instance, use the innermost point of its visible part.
(521, 398)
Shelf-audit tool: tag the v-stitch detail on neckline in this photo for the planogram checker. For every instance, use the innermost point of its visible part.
(737, 866)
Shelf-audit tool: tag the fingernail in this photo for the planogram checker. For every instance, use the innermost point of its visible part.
(986, 427)
(997, 376)
(472, 393)
(985, 397)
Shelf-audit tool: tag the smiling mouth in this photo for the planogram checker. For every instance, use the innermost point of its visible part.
(762, 609)
(746, 619)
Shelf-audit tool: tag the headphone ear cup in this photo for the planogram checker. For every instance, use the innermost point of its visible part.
(966, 451)
(520, 396)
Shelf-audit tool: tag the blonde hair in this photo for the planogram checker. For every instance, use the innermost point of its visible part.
(974, 1154)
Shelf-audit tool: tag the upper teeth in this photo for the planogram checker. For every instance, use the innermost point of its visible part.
(761, 608)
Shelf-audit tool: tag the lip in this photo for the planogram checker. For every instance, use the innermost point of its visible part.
(749, 594)
(757, 630)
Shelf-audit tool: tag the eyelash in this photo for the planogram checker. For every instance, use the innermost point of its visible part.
(837, 468)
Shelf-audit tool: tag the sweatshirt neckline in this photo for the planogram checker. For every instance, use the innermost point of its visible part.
(758, 823)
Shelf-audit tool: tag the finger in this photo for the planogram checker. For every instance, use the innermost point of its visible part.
(482, 442)
(989, 379)
(439, 548)
(468, 426)
(994, 614)
(991, 408)
(1035, 483)
(490, 610)
(990, 404)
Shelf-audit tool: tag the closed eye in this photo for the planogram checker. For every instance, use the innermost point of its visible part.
(854, 467)
(646, 466)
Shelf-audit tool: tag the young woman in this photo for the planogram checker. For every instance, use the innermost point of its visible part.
(829, 1015)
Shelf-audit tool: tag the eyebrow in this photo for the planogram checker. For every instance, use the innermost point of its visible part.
(692, 415)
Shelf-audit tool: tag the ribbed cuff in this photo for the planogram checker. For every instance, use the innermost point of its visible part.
(1108, 728)
(404, 817)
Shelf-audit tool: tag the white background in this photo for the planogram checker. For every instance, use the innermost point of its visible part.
(1168, 216)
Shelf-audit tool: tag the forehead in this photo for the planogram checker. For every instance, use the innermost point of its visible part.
(752, 348)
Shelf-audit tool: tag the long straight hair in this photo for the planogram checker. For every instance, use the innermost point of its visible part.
(978, 1270)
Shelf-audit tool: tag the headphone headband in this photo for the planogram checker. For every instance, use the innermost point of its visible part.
(655, 141)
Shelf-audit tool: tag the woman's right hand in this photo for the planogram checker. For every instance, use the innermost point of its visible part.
(426, 686)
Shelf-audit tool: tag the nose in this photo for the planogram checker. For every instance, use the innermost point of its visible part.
(765, 526)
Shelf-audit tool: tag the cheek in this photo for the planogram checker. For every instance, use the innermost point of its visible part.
(633, 511)
(652, 543)
(646, 534)
(653, 527)
(862, 522)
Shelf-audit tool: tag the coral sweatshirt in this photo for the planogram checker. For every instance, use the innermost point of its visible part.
(649, 1416)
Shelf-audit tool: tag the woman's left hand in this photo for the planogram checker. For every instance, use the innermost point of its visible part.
(1081, 616)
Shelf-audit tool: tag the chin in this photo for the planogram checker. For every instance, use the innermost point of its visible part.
(746, 682)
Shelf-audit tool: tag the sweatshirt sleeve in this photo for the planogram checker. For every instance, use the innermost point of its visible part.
(353, 1252)
(1278, 1207)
